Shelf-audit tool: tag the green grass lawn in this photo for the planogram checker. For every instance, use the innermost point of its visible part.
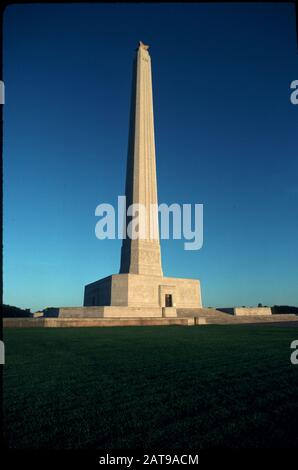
(150, 387)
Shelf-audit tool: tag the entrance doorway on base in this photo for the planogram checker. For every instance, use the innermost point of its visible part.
(167, 295)
(169, 300)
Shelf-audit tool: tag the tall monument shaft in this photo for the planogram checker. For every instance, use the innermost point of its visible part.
(142, 254)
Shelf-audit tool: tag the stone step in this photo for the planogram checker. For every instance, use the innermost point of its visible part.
(251, 319)
(92, 322)
(200, 312)
(213, 316)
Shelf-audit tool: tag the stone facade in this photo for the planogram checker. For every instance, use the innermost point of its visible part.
(92, 322)
(247, 311)
(137, 290)
(243, 311)
(142, 256)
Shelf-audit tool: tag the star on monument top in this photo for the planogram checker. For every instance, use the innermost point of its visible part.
(143, 46)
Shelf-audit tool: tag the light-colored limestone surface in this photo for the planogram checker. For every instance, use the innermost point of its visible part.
(243, 311)
(136, 290)
(142, 256)
(92, 322)
(203, 318)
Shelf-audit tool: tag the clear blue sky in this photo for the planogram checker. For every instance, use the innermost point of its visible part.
(226, 136)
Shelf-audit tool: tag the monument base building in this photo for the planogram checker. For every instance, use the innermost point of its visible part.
(154, 295)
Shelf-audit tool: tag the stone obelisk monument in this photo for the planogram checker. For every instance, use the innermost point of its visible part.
(142, 256)
(140, 294)
(140, 290)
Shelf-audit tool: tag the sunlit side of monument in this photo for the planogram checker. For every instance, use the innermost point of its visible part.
(140, 288)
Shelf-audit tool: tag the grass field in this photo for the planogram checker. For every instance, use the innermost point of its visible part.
(150, 387)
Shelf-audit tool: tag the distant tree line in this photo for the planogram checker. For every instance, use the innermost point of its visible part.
(9, 311)
(278, 309)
